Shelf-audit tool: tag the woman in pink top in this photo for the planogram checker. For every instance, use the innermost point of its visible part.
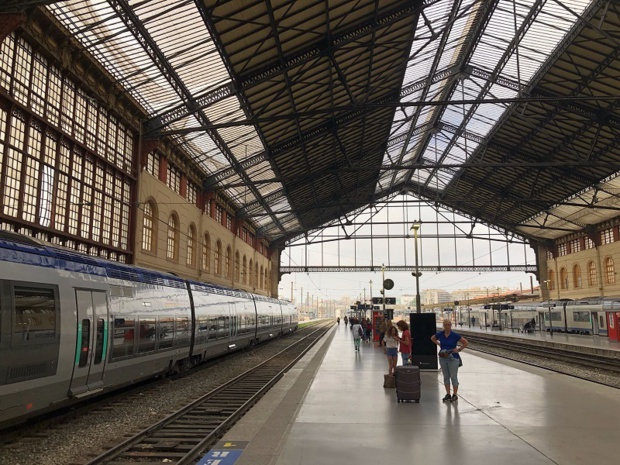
(405, 342)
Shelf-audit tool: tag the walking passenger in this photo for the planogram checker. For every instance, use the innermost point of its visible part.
(357, 333)
(368, 331)
(391, 348)
(338, 320)
(405, 342)
(449, 358)
(346, 320)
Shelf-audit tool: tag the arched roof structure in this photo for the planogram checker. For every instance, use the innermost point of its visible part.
(304, 112)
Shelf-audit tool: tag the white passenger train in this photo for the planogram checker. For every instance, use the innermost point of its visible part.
(585, 316)
(73, 326)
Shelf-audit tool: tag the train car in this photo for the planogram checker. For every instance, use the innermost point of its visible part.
(73, 326)
(576, 317)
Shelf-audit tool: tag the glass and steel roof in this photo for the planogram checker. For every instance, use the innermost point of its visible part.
(304, 111)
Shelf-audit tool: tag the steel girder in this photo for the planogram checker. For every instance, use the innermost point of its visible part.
(241, 83)
(527, 22)
(576, 135)
(482, 21)
(135, 26)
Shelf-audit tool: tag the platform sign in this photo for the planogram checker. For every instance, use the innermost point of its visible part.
(224, 453)
(424, 352)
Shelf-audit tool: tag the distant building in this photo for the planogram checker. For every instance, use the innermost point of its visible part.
(434, 296)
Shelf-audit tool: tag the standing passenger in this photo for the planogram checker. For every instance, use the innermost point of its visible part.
(391, 345)
(357, 333)
(405, 342)
(449, 358)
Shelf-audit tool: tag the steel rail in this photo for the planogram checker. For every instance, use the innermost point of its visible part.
(554, 353)
(183, 435)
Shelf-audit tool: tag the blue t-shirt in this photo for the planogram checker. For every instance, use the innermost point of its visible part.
(448, 342)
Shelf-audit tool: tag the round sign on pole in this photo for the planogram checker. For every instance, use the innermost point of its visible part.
(388, 284)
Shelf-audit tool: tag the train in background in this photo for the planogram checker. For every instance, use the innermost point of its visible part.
(74, 326)
(586, 316)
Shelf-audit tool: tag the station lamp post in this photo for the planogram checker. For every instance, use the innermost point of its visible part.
(414, 229)
(383, 287)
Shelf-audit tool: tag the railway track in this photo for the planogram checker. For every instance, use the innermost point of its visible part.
(186, 434)
(553, 353)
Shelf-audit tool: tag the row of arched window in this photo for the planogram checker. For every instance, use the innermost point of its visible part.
(610, 276)
(243, 271)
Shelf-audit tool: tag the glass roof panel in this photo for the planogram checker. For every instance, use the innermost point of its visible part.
(177, 30)
(541, 36)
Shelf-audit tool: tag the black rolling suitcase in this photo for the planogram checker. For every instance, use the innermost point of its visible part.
(408, 384)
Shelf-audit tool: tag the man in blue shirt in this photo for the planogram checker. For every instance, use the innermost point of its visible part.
(449, 359)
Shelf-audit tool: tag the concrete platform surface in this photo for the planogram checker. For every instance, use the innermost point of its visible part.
(332, 410)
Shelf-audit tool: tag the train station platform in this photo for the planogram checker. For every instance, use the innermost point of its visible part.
(600, 345)
(331, 409)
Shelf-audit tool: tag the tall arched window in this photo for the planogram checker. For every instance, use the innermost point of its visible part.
(250, 274)
(148, 227)
(217, 263)
(576, 277)
(191, 245)
(592, 281)
(551, 283)
(172, 243)
(244, 273)
(255, 284)
(609, 270)
(237, 266)
(206, 252)
(563, 278)
(228, 262)
(262, 283)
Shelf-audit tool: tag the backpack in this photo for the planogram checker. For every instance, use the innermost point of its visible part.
(359, 331)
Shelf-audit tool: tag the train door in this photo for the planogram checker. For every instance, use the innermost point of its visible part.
(613, 331)
(92, 341)
(233, 327)
(595, 329)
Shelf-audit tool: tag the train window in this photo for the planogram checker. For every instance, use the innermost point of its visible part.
(35, 314)
(202, 333)
(602, 321)
(84, 342)
(124, 337)
(555, 316)
(166, 333)
(99, 340)
(183, 332)
(222, 327)
(146, 335)
(581, 316)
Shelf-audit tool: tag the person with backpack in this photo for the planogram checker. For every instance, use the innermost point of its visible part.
(358, 332)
